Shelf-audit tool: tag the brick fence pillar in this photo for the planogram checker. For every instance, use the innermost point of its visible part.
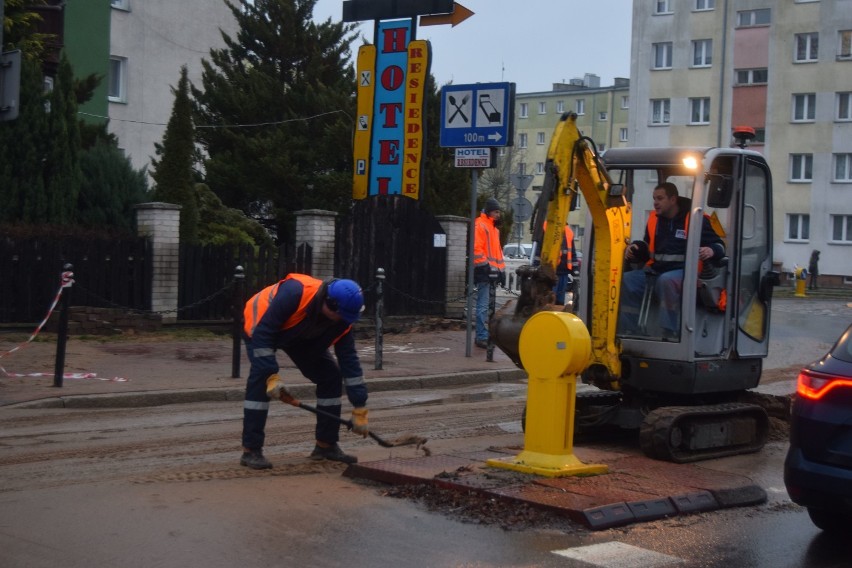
(456, 229)
(161, 223)
(317, 228)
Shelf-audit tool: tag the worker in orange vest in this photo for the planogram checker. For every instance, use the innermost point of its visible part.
(304, 316)
(663, 250)
(488, 265)
(565, 268)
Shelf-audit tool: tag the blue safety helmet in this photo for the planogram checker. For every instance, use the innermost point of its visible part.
(345, 298)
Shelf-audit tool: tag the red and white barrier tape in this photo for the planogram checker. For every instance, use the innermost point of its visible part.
(87, 376)
(66, 282)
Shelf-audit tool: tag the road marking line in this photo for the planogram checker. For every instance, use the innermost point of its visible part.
(618, 555)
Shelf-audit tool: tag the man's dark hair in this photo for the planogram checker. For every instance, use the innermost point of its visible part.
(669, 188)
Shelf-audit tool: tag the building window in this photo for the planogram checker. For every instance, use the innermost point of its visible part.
(601, 148)
(120, 4)
(539, 138)
(704, 5)
(622, 135)
(751, 76)
(560, 107)
(807, 48)
(699, 111)
(660, 111)
(759, 136)
(844, 45)
(798, 227)
(581, 106)
(116, 90)
(843, 168)
(522, 140)
(844, 106)
(663, 55)
(539, 168)
(801, 167)
(748, 18)
(602, 116)
(522, 168)
(702, 53)
(525, 110)
(662, 7)
(841, 228)
(804, 107)
(625, 101)
(542, 108)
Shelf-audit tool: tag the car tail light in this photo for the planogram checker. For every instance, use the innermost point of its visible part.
(814, 385)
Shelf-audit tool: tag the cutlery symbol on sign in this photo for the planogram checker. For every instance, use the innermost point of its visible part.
(458, 107)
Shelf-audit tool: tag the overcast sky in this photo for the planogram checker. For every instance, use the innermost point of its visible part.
(532, 43)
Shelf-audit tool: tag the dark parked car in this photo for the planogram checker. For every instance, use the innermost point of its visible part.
(818, 468)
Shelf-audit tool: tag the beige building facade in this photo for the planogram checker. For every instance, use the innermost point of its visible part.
(150, 40)
(699, 68)
(602, 115)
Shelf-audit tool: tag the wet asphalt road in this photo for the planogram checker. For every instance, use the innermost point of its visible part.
(161, 487)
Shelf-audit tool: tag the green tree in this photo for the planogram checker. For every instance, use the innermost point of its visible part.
(62, 160)
(446, 189)
(220, 225)
(22, 151)
(173, 172)
(110, 188)
(19, 27)
(277, 107)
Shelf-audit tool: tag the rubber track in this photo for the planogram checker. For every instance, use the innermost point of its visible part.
(655, 432)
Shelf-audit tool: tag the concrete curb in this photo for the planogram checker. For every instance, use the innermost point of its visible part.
(228, 394)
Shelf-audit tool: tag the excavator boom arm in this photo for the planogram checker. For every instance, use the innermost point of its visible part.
(573, 166)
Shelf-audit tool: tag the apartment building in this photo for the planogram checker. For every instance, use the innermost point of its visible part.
(602, 115)
(701, 67)
(139, 46)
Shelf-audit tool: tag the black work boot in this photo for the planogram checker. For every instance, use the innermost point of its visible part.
(333, 453)
(254, 459)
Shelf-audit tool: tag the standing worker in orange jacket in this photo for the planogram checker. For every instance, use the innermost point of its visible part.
(487, 260)
(304, 316)
(565, 268)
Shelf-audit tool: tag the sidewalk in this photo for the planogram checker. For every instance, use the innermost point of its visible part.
(149, 370)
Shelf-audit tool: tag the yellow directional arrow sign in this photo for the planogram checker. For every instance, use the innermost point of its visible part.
(459, 14)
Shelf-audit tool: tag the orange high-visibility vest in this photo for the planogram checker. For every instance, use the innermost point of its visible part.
(569, 240)
(652, 233)
(486, 244)
(259, 303)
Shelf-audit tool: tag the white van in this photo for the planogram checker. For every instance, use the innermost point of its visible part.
(514, 250)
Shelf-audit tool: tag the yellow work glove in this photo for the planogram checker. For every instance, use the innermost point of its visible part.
(275, 390)
(359, 421)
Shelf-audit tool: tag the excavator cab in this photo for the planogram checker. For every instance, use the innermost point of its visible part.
(722, 318)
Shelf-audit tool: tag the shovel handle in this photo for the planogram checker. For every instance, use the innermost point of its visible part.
(345, 422)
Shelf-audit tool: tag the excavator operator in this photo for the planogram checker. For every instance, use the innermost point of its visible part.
(663, 251)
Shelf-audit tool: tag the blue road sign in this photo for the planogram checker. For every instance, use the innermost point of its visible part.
(477, 115)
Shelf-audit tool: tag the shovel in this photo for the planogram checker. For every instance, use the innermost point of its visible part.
(407, 440)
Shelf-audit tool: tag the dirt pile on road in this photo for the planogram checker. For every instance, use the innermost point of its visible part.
(475, 508)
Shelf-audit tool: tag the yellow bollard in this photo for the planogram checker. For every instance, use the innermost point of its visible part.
(801, 279)
(554, 347)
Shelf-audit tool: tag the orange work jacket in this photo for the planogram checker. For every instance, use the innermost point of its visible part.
(259, 303)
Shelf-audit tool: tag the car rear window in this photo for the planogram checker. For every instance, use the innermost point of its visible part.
(843, 349)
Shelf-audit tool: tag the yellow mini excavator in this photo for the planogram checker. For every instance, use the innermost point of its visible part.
(681, 391)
